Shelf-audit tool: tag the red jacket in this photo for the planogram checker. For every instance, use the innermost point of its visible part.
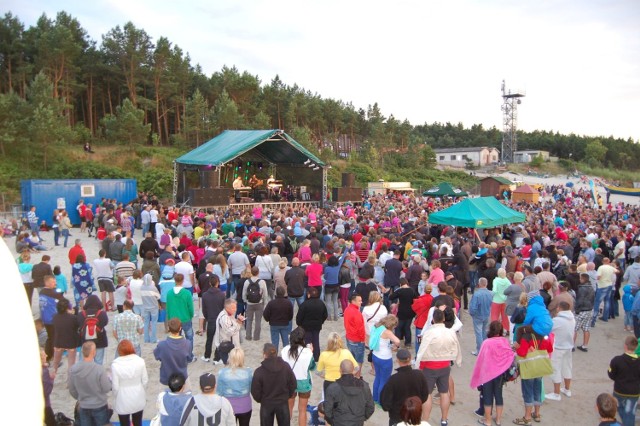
(74, 252)
(354, 323)
(421, 307)
(527, 345)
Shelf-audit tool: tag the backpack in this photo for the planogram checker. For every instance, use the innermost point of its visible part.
(511, 373)
(294, 244)
(48, 308)
(90, 328)
(254, 295)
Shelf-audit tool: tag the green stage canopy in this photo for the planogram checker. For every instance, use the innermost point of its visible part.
(444, 189)
(483, 212)
(274, 146)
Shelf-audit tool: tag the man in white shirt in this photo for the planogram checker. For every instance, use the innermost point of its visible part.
(237, 263)
(145, 219)
(185, 268)
(103, 270)
(606, 278)
(620, 250)
(153, 217)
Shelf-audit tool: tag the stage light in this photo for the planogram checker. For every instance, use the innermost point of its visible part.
(312, 165)
(307, 162)
(316, 168)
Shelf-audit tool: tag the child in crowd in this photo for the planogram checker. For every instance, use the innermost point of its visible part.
(61, 280)
(424, 277)
(627, 303)
(120, 295)
(166, 284)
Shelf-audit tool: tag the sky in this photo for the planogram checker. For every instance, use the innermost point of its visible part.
(577, 61)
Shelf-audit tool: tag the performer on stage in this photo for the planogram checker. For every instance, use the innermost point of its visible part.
(237, 186)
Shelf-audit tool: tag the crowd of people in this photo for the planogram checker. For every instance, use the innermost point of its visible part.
(397, 283)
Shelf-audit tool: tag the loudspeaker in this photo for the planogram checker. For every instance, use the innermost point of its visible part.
(348, 180)
(342, 195)
(210, 197)
(208, 178)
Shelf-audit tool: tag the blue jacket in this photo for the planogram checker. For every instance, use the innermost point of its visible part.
(538, 316)
(480, 305)
(627, 298)
(174, 355)
(635, 309)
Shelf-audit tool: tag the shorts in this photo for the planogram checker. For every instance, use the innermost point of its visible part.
(304, 395)
(583, 320)
(357, 350)
(438, 377)
(106, 284)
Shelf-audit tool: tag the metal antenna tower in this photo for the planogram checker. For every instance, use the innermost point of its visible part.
(510, 102)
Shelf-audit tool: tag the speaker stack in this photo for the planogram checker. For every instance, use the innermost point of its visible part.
(349, 191)
(210, 197)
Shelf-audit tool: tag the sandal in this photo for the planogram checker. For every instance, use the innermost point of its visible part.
(522, 421)
(199, 332)
(536, 418)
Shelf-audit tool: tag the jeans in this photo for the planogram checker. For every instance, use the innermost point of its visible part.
(35, 228)
(137, 309)
(331, 300)
(473, 279)
(254, 315)
(65, 234)
(56, 235)
(602, 295)
(296, 300)
(145, 229)
(636, 327)
(492, 390)
(278, 332)
(531, 391)
(94, 416)
(187, 328)
(150, 317)
(233, 285)
(614, 307)
(357, 350)
(403, 330)
(418, 339)
(627, 409)
(99, 359)
(480, 328)
(383, 368)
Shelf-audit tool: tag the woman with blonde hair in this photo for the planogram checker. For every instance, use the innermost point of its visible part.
(331, 358)
(234, 383)
(372, 313)
(282, 269)
(221, 270)
(381, 341)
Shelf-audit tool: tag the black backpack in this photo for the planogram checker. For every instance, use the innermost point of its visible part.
(254, 294)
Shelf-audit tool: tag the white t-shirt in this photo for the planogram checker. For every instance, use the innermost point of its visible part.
(620, 247)
(102, 268)
(186, 269)
(369, 318)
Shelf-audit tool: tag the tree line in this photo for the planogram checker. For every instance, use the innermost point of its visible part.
(60, 87)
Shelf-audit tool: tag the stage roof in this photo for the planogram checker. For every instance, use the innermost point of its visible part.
(274, 146)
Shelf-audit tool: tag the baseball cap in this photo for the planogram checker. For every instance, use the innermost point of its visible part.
(169, 262)
(207, 381)
(403, 355)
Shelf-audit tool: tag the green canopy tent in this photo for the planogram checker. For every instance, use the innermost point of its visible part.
(444, 189)
(483, 212)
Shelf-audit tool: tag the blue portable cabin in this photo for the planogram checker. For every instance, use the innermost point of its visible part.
(50, 194)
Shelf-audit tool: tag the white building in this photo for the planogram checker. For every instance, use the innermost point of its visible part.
(526, 156)
(457, 157)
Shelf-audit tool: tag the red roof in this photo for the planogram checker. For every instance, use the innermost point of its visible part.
(525, 189)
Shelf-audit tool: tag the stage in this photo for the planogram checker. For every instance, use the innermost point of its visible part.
(270, 205)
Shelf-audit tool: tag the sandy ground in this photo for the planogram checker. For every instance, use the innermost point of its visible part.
(590, 369)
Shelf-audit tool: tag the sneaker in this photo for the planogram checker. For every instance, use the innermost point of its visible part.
(194, 359)
(202, 358)
(444, 423)
(583, 348)
(479, 413)
(553, 396)
(474, 353)
(219, 362)
(566, 392)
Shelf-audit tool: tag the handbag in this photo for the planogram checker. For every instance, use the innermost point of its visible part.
(535, 364)
(225, 347)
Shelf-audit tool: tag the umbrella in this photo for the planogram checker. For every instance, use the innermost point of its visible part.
(569, 185)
